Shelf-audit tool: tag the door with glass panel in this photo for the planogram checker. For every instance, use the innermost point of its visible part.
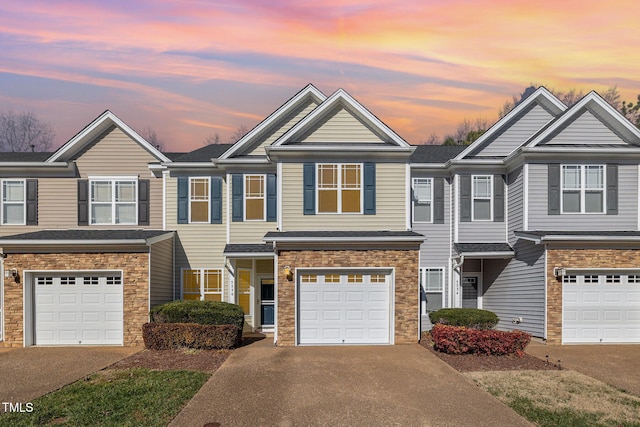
(267, 302)
(244, 290)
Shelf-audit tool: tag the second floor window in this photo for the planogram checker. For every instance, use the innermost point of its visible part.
(422, 199)
(254, 197)
(199, 200)
(13, 201)
(482, 195)
(339, 188)
(113, 201)
(583, 189)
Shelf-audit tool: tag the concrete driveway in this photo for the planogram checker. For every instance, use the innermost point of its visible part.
(341, 386)
(617, 365)
(26, 373)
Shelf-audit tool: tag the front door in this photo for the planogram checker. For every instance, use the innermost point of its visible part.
(470, 292)
(267, 302)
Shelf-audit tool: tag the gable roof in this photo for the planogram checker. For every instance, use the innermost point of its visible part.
(603, 112)
(340, 98)
(95, 129)
(203, 154)
(309, 91)
(540, 95)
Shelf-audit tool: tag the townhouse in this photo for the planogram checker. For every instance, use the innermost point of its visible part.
(326, 227)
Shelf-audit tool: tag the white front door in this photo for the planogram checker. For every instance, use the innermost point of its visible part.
(78, 308)
(343, 307)
(601, 308)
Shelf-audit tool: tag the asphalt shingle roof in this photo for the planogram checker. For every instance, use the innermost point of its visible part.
(542, 233)
(482, 247)
(26, 156)
(248, 248)
(77, 234)
(340, 234)
(204, 154)
(435, 153)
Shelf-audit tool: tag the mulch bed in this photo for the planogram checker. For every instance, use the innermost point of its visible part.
(476, 363)
(191, 360)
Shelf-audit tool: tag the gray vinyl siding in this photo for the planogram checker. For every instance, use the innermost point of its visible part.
(515, 134)
(161, 271)
(391, 203)
(339, 125)
(481, 232)
(627, 218)
(585, 129)
(516, 287)
(278, 129)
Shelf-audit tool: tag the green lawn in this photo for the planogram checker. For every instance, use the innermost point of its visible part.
(130, 397)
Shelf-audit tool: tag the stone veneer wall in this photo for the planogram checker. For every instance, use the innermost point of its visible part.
(578, 258)
(135, 268)
(407, 302)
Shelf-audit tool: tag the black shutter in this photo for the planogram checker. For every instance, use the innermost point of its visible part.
(32, 201)
(438, 200)
(465, 198)
(369, 188)
(237, 196)
(143, 201)
(272, 201)
(553, 177)
(216, 200)
(183, 199)
(498, 198)
(83, 202)
(309, 188)
(612, 189)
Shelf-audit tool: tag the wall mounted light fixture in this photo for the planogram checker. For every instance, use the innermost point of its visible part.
(288, 273)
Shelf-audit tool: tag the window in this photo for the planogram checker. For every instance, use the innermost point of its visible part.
(583, 189)
(113, 201)
(308, 278)
(482, 194)
(331, 278)
(339, 188)
(422, 199)
(254, 198)
(13, 202)
(202, 284)
(431, 288)
(91, 280)
(378, 278)
(199, 200)
(354, 278)
(67, 281)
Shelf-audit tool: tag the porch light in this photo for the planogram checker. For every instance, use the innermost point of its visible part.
(559, 271)
(287, 273)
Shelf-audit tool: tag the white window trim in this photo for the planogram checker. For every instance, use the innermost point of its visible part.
(201, 271)
(24, 201)
(208, 179)
(113, 180)
(583, 189)
(423, 281)
(339, 188)
(474, 197)
(244, 197)
(413, 201)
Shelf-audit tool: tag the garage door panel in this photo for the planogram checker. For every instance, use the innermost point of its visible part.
(355, 315)
(331, 315)
(355, 296)
(331, 296)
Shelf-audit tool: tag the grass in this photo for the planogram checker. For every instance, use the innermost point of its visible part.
(129, 397)
(561, 398)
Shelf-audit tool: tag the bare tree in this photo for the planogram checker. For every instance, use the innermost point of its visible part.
(24, 132)
(612, 96)
(214, 138)
(238, 133)
(432, 140)
(152, 138)
(467, 132)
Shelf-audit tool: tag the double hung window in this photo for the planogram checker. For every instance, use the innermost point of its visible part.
(199, 199)
(13, 201)
(113, 201)
(202, 284)
(422, 199)
(339, 188)
(583, 189)
(482, 197)
(254, 198)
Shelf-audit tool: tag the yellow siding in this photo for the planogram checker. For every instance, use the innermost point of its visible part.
(390, 203)
(284, 125)
(340, 125)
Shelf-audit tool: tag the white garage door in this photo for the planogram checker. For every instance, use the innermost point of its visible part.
(601, 308)
(344, 307)
(78, 308)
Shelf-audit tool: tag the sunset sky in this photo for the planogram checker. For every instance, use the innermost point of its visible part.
(192, 68)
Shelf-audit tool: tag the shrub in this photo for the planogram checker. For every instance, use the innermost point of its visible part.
(201, 312)
(467, 317)
(461, 340)
(165, 336)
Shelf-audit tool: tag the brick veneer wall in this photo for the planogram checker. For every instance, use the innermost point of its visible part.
(578, 258)
(135, 268)
(405, 263)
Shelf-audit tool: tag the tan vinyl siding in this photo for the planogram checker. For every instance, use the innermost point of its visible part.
(585, 129)
(340, 125)
(278, 129)
(161, 271)
(390, 203)
(250, 231)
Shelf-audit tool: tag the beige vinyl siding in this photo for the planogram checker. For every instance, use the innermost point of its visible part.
(585, 129)
(390, 203)
(278, 129)
(250, 231)
(197, 245)
(340, 125)
(161, 272)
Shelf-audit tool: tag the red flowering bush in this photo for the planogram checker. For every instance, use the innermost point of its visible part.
(461, 340)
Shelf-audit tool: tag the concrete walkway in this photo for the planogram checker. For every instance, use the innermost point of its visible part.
(616, 365)
(341, 386)
(27, 373)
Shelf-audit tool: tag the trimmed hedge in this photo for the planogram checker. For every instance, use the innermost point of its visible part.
(467, 317)
(461, 340)
(166, 336)
(200, 312)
